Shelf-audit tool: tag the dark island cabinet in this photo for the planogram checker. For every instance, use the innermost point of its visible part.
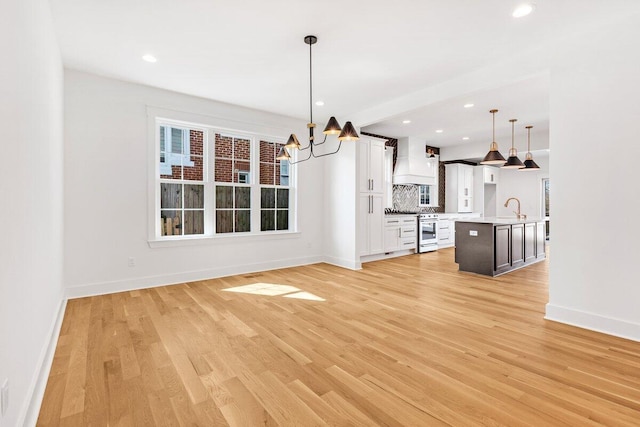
(492, 249)
(530, 242)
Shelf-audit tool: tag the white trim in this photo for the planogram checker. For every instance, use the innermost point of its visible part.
(103, 288)
(196, 240)
(344, 263)
(29, 414)
(594, 322)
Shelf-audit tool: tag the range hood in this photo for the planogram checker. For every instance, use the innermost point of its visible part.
(412, 164)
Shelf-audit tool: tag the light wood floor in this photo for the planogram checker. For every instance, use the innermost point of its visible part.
(409, 341)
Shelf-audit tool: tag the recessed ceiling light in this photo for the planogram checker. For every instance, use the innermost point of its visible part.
(406, 121)
(319, 103)
(465, 137)
(149, 58)
(468, 105)
(522, 10)
(439, 131)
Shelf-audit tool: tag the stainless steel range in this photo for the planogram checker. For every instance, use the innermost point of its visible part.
(427, 232)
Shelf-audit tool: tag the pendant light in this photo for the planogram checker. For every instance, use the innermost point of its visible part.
(348, 133)
(529, 164)
(493, 157)
(513, 162)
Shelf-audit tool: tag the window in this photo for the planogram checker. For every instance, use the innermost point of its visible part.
(425, 195)
(181, 181)
(206, 185)
(232, 171)
(274, 196)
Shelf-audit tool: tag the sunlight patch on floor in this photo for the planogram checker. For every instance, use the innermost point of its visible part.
(272, 289)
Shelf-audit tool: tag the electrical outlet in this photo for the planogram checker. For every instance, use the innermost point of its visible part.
(4, 397)
(132, 262)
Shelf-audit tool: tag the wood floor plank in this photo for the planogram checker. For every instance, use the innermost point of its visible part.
(405, 341)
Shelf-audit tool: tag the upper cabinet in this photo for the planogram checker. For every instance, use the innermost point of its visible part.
(371, 156)
(491, 174)
(459, 188)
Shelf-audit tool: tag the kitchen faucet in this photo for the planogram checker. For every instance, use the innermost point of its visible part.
(517, 212)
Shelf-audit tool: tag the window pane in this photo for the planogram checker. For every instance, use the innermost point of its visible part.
(170, 196)
(193, 196)
(243, 221)
(193, 222)
(267, 152)
(243, 197)
(193, 168)
(283, 198)
(282, 220)
(223, 146)
(224, 197)
(196, 142)
(267, 220)
(223, 170)
(224, 221)
(267, 198)
(242, 149)
(169, 169)
(266, 173)
(170, 223)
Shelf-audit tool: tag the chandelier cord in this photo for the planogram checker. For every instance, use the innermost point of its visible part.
(310, 86)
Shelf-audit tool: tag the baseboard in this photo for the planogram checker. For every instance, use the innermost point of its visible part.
(103, 288)
(31, 409)
(344, 263)
(594, 322)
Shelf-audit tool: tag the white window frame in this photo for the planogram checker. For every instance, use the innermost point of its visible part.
(157, 118)
(420, 193)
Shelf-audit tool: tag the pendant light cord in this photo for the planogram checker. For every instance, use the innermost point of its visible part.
(494, 127)
(310, 86)
(512, 134)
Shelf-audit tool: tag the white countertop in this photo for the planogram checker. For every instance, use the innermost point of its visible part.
(503, 220)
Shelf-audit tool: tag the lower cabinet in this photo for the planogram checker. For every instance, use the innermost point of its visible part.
(371, 224)
(530, 242)
(446, 233)
(502, 248)
(400, 233)
(517, 245)
(541, 240)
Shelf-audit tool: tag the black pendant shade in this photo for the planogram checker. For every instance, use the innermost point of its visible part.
(513, 162)
(348, 133)
(292, 142)
(283, 154)
(529, 164)
(493, 157)
(333, 127)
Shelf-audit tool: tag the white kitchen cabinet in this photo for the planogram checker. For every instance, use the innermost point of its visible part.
(371, 224)
(485, 190)
(459, 188)
(371, 161)
(371, 158)
(446, 233)
(400, 233)
(490, 174)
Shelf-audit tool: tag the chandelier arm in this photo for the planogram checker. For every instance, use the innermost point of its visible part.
(320, 143)
(302, 160)
(327, 154)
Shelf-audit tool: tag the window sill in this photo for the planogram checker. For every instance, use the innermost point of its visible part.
(206, 240)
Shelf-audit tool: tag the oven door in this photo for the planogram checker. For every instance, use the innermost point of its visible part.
(428, 235)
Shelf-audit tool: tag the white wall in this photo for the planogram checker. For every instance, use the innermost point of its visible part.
(526, 186)
(340, 207)
(106, 190)
(594, 104)
(31, 191)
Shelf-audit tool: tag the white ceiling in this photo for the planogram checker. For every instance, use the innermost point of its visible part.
(251, 53)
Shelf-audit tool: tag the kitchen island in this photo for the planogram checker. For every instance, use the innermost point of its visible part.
(497, 245)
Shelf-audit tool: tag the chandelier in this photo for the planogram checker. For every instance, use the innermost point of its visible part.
(348, 133)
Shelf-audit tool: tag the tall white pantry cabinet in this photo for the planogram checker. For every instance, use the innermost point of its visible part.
(459, 188)
(371, 187)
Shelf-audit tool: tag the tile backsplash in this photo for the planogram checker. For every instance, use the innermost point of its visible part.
(405, 197)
